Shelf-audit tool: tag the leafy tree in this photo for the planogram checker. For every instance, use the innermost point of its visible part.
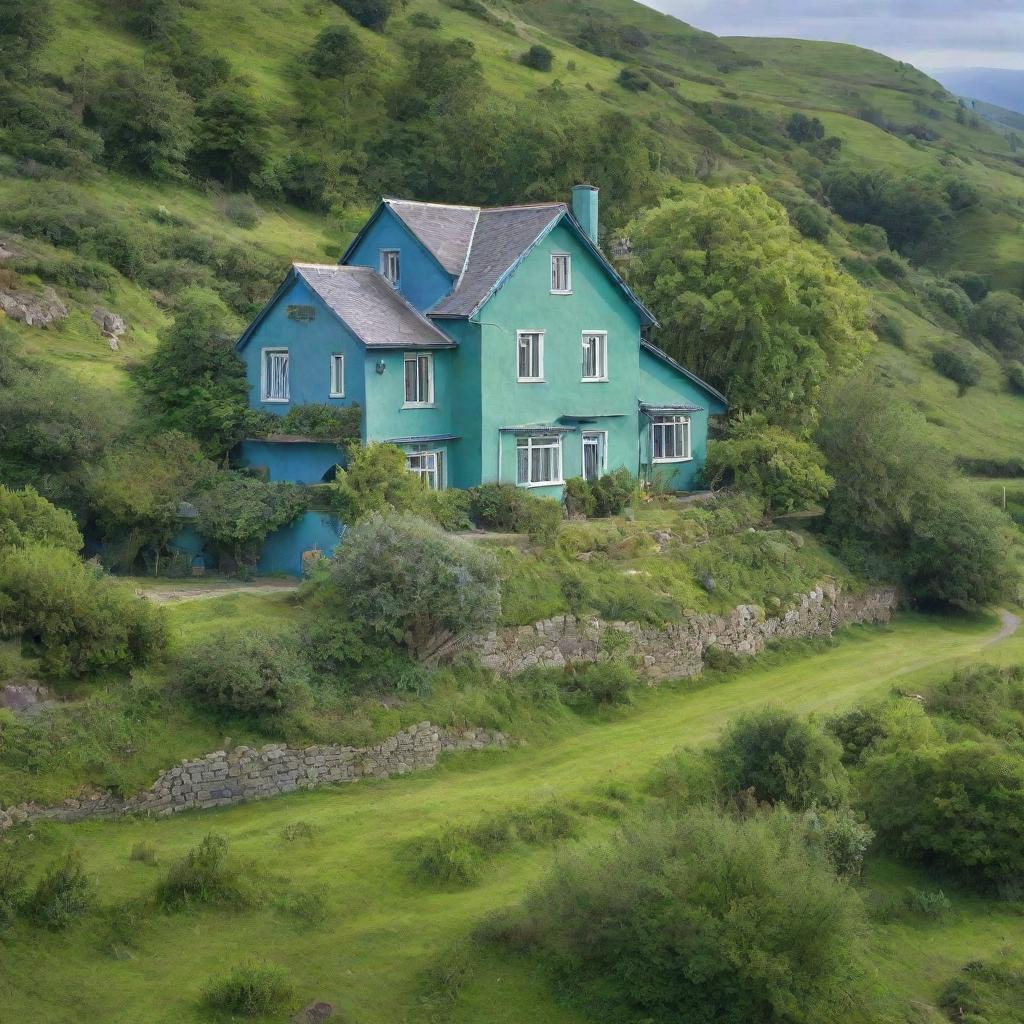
(239, 512)
(335, 52)
(786, 471)
(405, 580)
(194, 381)
(79, 619)
(376, 479)
(537, 57)
(957, 807)
(780, 758)
(25, 26)
(245, 674)
(975, 285)
(371, 14)
(811, 221)
(748, 305)
(145, 121)
(135, 492)
(231, 136)
(801, 128)
(899, 497)
(958, 367)
(705, 919)
(1000, 318)
(444, 79)
(28, 518)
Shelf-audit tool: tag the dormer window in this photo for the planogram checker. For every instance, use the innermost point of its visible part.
(391, 266)
(561, 273)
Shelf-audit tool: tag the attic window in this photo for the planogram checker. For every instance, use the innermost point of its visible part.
(302, 313)
(391, 266)
(561, 273)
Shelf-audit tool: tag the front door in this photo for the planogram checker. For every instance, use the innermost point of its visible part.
(593, 454)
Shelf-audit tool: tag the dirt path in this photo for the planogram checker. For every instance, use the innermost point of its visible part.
(173, 593)
(1011, 623)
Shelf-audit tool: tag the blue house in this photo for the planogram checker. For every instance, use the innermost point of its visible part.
(489, 344)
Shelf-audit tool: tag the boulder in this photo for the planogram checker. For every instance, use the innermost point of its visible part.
(34, 310)
(24, 696)
(111, 325)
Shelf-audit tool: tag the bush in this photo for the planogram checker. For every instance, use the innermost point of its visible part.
(633, 80)
(510, 509)
(243, 211)
(989, 697)
(779, 758)
(650, 925)
(12, 890)
(248, 674)
(958, 367)
(252, 989)
(448, 508)
(205, 876)
(956, 807)
(579, 497)
(232, 136)
(335, 52)
(613, 492)
(974, 285)
(844, 839)
(890, 330)
(405, 580)
(801, 128)
(322, 421)
(787, 472)
(28, 518)
(372, 14)
(537, 57)
(999, 317)
(63, 894)
(450, 858)
(892, 266)
(145, 853)
(75, 616)
(598, 683)
(811, 221)
(376, 480)
(1015, 377)
(927, 902)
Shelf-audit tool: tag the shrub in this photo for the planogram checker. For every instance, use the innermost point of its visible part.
(959, 368)
(787, 472)
(12, 890)
(450, 858)
(890, 330)
(780, 758)
(801, 128)
(1015, 377)
(421, 19)
(957, 807)
(613, 491)
(986, 992)
(248, 674)
(601, 682)
(508, 508)
(63, 894)
(145, 853)
(28, 518)
(243, 211)
(252, 989)
(633, 80)
(78, 619)
(537, 57)
(927, 902)
(405, 580)
(204, 876)
(376, 479)
(448, 508)
(335, 52)
(372, 14)
(811, 221)
(989, 697)
(309, 905)
(686, 778)
(650, 926)
(322, 421)
(579, 497)
(1000, 318)
(231, 135)
(892, 266)
(844, 839)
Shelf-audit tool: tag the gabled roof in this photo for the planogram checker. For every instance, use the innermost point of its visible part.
(653, 350)
(364, 302)
(446, 231)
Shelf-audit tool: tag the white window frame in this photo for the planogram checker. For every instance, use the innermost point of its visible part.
(567, 284)
(265, 395)
(602, 356)
(415, 357)
(337, 375)
(424, 474)
(385, 260)
(539, 368)
(602, 468)
(539, 442)
(686, 427)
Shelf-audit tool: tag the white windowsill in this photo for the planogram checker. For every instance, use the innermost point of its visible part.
(531, 380)
(419, 405)
(593, 380)
(546, 483)
(558, 291)
(276, 401)
(681, 458)
(336, 394)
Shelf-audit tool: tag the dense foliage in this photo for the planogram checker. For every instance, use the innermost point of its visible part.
(747, 304)
(28, 518)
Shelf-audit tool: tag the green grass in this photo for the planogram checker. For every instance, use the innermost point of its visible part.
(367, 958)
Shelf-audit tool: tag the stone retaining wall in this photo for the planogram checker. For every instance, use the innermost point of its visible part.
(245, 773)
(678, 648)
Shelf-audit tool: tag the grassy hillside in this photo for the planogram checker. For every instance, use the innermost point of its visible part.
(383, 930)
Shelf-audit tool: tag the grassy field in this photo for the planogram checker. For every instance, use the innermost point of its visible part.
(384, 929)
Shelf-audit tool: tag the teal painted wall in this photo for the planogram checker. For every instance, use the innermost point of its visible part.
(283, 549)
(525, 302)
(291, 462)
(310, 345)
(423, 280)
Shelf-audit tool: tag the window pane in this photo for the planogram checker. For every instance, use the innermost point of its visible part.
(424, 381)
(523, 463)
(410, 380)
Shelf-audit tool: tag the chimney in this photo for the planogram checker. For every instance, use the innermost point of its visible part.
(584, 209)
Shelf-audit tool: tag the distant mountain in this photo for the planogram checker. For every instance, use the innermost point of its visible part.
(1003, 87)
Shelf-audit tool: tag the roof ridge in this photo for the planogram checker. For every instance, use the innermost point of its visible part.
(525, 206)
(329, 266)
(423, 202)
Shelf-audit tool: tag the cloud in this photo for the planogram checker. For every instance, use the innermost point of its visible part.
(928, 33)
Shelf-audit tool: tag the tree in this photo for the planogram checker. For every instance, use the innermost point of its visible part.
(146, 123)
(746, 303)
(780, 758)
(239, 512)
(537, 57)
(786, 471)
(231, 136)
(406, 581)
(1000, 318)
(194, 381)
(135, 493)
(371, 14)
(801, 128)
(897, 496)
(699, 920)
(25, 26)
(335, 52)
(958, 367)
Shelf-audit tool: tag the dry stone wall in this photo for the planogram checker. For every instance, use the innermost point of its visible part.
(245, 773)
(678, 648)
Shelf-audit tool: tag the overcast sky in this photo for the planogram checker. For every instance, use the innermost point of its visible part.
(928, 33)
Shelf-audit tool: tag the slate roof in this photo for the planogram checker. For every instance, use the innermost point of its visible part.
(446, 231)
(501, 237)
(370, 308)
